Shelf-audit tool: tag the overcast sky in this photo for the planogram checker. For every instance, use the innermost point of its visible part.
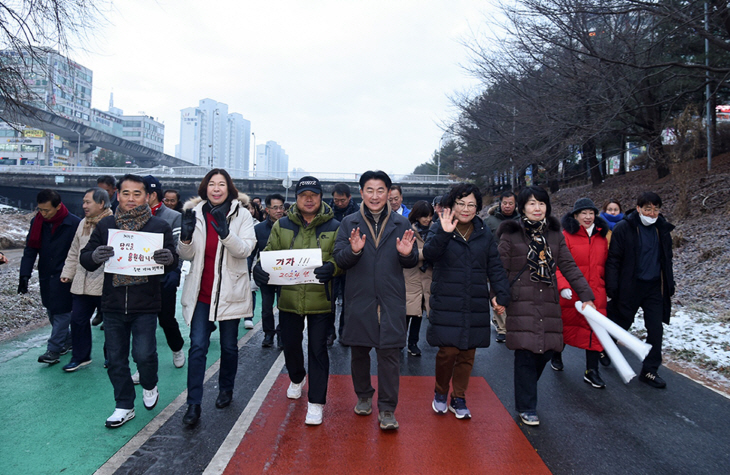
(342, 86)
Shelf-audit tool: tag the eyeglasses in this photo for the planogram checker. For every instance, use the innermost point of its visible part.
(650, 210)
(276, 208)
(469, 206)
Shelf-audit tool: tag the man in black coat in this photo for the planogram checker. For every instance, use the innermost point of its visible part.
(374, 245)
(51, 233)
(639, 273)
(130, 303)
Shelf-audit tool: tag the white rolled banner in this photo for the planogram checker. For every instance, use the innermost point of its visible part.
(604, 330)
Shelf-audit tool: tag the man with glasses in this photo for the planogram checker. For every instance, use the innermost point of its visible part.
(274, 211)
(639, 274)
(51, 233)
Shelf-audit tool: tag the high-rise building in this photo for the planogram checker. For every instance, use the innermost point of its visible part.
(144, 130)
(211, 137)
(271, 160)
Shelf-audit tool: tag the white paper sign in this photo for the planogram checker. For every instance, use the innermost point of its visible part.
(133, 253)
(291, 267)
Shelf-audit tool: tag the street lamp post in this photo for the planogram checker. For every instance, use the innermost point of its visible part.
(78, 146)
(254, 153)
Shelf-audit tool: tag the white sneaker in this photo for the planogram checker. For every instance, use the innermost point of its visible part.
(119, 417)
(135, 378)
(178, 358)
(314, 414)
(248, 323)
(150, 398)
(295, 390)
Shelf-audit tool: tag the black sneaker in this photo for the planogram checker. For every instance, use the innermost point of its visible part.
(279, 344)
(604, 359)
(97, 319)
(414, 350)
(500, 337)
(268, 341)
(556, 362)
(66, 348)
(594, 379)
(49, 357)
(652, 379)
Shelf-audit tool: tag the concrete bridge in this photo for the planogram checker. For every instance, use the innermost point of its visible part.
(19, 185)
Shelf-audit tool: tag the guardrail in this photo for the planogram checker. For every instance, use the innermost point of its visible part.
(184, 172)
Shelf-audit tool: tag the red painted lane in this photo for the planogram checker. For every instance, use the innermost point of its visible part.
(278, 441)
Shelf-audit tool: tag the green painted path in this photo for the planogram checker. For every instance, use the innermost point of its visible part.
(53, 422)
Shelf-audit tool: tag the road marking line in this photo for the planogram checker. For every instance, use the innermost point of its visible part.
(116, 461)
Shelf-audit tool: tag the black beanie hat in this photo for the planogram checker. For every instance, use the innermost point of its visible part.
(584, 203)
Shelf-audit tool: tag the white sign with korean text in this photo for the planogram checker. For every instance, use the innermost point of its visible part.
(133, 251)
(291, 267)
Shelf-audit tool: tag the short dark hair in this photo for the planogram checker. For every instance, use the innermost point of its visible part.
(538, 193)
(177, 193)
(273, 196)
(100, 196)
(398, 188)
(203, 188)
(507, 194)
(44, 196)
(608, 202)
(256, 198)
(649, 198)
(421, 209)
(461, 190)
(375, 175)
(134, 178)
(107, 180)
(341, 189)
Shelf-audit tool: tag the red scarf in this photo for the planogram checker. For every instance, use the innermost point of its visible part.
(34, 239)
(155, 208)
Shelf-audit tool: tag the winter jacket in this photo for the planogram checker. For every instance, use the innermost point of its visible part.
(623, 257)
(462, 274)
(533, 321)
(128, 299)
(289, 233)
(589, 254)
(375, 290)
(262, 231)
(231, 298)
(405, 210)
(173, 218)
(340, 214)
(418, 282)
(83, 282)
(495, 217)
(55, 295)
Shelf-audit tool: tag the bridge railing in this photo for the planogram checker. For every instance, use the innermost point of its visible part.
(183, 172)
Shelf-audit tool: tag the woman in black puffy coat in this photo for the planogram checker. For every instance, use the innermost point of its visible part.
(465, 261)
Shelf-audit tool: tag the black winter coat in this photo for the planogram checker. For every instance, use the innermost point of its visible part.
(374, 281)
(55, 295)
(462, 273)
(142, 298)
(623, 257)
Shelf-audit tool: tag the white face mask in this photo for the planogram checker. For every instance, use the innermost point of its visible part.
(646, 220)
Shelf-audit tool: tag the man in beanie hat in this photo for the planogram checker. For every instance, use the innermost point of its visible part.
(309, 224)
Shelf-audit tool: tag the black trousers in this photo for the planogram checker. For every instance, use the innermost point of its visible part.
(166, 317)
(648, 297)
(318, 360)
(413, 322)
(528, 368)
(388, 375)
(268, 295)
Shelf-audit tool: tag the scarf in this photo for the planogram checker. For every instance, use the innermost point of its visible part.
(539, 255)
(133, 220)
(611, 219)
(422, 230)
(379, 226)
(34, 238)
(90, 223)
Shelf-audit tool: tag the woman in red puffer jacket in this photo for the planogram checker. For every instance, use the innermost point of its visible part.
(586, 237)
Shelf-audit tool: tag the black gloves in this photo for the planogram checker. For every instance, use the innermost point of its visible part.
(163, 257)
(102, 254)
(325, 272)
(23, 284)
(260, 276)
(220, 224)
(187, 225)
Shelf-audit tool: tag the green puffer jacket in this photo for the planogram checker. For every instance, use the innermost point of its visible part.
(305, 299)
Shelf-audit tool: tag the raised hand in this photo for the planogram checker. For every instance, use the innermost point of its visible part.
(187, 225)
(447, 220)
(220, 224)
(357, 240)
(405, 245)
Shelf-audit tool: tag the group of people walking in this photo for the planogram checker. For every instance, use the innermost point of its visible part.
(519, 268)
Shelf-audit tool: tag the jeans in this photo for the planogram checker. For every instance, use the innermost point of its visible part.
(167, 319)
(338, 290)
(268, 294)
(83, 309)
(200, 330)
(60, 334)
(388, 375)
(117, 329)
(292, 334)
(528, 368)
